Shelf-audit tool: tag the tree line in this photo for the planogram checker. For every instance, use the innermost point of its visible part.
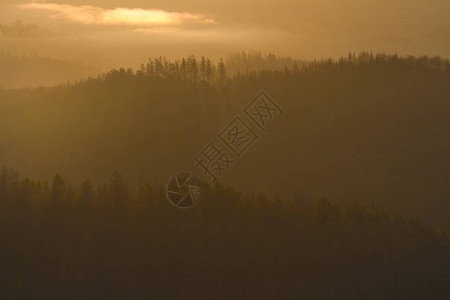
(190, 69)
(90, 242)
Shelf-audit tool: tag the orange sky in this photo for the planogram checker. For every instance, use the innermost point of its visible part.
(121, 32)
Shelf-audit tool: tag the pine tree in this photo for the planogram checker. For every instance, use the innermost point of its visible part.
(203, 68)
(58, 191)
(222, 72)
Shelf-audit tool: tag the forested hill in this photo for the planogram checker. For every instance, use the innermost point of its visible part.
(370, 128)
(63, 241)
(18, 71)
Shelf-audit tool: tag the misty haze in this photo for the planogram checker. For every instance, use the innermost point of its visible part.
(224, 149)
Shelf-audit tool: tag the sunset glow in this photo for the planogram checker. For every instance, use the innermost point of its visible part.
(237, 149)
(124, 16)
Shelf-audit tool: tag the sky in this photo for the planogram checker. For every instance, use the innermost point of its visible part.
(125, 33)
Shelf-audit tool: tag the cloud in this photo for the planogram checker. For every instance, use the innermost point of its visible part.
(87, 14)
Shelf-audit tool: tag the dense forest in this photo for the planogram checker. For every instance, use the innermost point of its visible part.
(373, 128)
(59, 241)
(195, 149)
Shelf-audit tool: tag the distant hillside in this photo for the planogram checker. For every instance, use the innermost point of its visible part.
(371, 128)
(19, 29)
(245, 62)
(33, 71)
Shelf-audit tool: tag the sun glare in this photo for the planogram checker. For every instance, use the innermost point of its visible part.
(125, 16)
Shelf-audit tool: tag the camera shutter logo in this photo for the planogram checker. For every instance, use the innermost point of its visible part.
(184, 190)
